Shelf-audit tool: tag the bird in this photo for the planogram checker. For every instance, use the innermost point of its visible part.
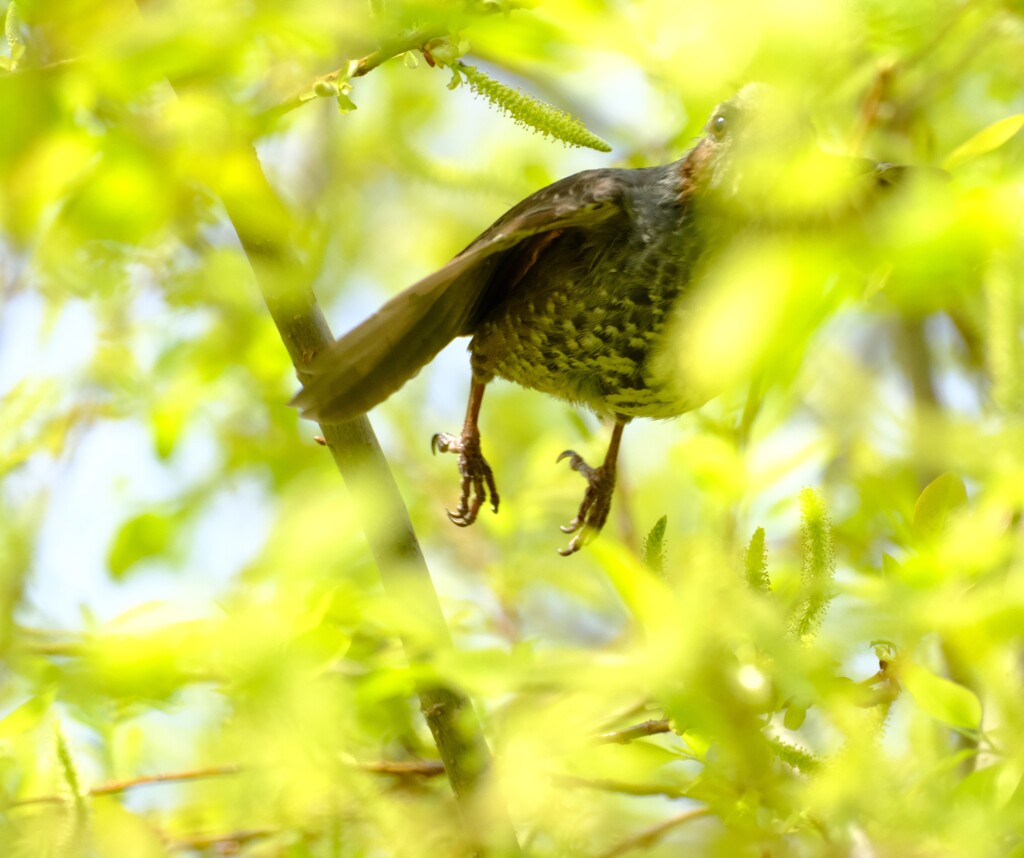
(572, 292)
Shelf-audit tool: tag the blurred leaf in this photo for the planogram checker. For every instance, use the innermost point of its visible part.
(68, 769)
(890, 345)
(147, 535)
(941, 698)
(26, 717)
(941, 498)
(987, 140)
(794, 717)
(990, 787)
(118, 832)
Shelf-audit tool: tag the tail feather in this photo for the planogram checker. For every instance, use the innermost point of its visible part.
(368, 364)
(371, 362)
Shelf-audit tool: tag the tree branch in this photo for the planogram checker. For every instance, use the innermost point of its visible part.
(262, 223)
(116, 787)
(652, 835)
(355, 68)
(394, 47)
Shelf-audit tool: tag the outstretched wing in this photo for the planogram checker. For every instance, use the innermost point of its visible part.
(368, 364)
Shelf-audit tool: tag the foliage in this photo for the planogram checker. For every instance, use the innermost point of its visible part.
(815, 651)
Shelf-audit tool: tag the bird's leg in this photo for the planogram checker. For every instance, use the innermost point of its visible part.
(597, 500)
(477, 478)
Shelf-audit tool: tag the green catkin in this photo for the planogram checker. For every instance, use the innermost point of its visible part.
(12, 31)
(755, 564)
(819, 565)
(529, 111)
(72, 783)
(801, 760)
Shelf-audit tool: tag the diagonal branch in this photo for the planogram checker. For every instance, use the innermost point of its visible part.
(264, 227)
(262, 221)
(652, 835)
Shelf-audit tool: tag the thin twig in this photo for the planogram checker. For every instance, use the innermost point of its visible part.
(228, 843)
(413, 41)
(354, 68)
(637, 731)
(652, 835)
(425, 768)
(119, 786)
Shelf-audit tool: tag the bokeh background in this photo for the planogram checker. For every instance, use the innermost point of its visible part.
(828, 619)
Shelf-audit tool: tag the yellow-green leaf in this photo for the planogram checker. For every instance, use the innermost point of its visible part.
(985, 141)
(26, 717)
(942, 698)
(942, 497)
(795, 716)
(146, 535)
(117, 831)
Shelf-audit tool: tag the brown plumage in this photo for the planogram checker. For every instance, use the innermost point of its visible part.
(570, 293)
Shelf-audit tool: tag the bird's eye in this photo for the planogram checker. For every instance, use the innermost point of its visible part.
(718, 127)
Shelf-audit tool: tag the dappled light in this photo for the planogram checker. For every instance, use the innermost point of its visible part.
(767, 401)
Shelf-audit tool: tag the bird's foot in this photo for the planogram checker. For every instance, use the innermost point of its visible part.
(477, 477)
(597, 500)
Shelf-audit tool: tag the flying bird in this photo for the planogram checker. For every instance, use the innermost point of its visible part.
(572, 292)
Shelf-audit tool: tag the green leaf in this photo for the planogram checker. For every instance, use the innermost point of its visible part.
(117, 831)
(654, 546)
(987, 140)
(146, 535)
(795, 716)
(941, 497)
(26, 717)
(991, 787)
(890, 566)
(942, 698)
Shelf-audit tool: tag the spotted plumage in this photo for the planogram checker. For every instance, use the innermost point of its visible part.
(573, 292)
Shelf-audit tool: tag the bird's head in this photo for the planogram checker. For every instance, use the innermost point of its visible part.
(759, 158)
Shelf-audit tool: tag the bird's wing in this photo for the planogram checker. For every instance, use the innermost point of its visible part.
(368, 364)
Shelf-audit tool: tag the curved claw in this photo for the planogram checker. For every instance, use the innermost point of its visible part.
(477, 485)
(575, 544)
(597, 499)
(442, 442)
(577, 463)
(460, 520)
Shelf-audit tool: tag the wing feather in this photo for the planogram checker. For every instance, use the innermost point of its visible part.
(377, 357)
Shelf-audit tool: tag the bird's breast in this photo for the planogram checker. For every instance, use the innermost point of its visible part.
(583, 323)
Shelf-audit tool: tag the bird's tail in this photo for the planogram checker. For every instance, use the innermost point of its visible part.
(368, 364)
